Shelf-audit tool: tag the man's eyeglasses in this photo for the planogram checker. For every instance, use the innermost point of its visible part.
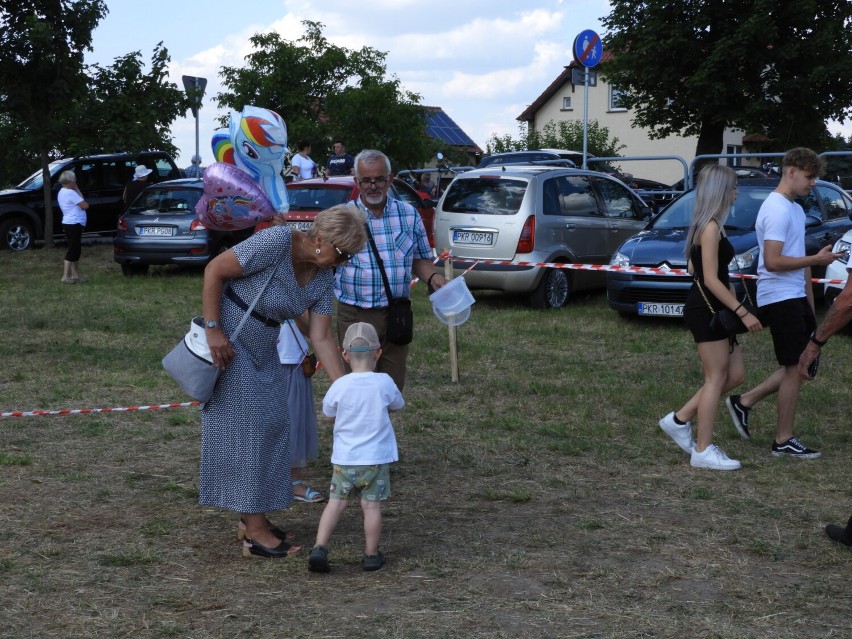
(380, 182)
(341, 256)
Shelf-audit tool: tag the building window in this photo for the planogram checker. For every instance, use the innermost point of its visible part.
(566, 104)
(732, 148)
(616, 99)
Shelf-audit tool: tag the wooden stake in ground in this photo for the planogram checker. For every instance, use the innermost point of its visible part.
(454, 351)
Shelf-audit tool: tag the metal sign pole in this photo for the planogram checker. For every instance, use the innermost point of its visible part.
(585, 117)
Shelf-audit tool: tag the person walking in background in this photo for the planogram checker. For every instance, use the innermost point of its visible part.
(303, 166)
(73, 207)
(400, 240)
(194, 170)
(292, 353)
(136, 185)
(245, 425)
(785, 298)
(709, 252)
(364, 444)
(341, 163)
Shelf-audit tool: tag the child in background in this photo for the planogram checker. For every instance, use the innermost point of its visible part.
(292, 349)
(364, 444)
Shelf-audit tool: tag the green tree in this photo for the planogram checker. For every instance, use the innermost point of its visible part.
(127, 109)
(323, 91)
(42, 44)
(695, 68)
(559, 135)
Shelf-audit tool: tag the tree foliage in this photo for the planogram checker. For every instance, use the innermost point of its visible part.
(559, 135)
(42, 43)
(127, 109)
(324, 91)
(697, 67)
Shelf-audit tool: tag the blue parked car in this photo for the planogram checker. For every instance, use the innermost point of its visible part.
(829, 215)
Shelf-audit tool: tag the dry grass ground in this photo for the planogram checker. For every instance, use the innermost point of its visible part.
(536, 498)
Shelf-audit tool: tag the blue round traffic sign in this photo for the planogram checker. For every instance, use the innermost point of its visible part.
(588, 48)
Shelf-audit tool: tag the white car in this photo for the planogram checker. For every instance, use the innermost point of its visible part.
(837, 269)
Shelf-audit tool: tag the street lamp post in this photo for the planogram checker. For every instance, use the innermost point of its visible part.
(194, 88)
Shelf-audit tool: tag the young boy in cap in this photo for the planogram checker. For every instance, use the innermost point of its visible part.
(364, 444)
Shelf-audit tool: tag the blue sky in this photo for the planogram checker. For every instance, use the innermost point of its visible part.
(482, 61)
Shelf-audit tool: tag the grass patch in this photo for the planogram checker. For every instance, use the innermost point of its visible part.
(535, 498)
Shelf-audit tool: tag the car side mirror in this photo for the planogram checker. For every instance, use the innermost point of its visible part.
(812, 220)
(645, 212)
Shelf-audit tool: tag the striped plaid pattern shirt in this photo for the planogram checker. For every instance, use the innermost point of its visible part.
(400, 237)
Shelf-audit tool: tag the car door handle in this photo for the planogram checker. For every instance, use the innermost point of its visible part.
(570, 226)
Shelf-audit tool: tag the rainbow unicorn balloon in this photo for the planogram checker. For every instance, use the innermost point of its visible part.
(245, 185)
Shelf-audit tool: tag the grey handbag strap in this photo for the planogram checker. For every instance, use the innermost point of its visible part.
(251, 307)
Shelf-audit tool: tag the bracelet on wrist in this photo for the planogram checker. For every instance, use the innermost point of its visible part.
(429, 281)
(814, 339)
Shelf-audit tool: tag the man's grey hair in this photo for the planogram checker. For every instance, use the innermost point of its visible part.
(371, 156)
(66, 177)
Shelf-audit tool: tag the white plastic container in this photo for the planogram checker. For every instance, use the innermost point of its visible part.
(451, 303)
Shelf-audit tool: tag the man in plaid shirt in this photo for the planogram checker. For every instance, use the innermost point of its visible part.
(401, 241)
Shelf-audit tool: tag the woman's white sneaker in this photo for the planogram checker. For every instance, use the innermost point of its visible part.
(680, 433)
(712, 457)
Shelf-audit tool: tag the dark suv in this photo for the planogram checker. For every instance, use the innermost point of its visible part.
(101, 179)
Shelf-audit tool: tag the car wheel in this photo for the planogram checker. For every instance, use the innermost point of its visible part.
(553, 290)
(17, 235)
(130, 270)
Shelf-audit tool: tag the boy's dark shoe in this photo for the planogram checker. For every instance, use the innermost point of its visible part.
(839, 534)
(373, 562)
(318, 559)
(793, 448)
(739, 415)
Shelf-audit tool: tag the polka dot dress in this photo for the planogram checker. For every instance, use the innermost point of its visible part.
(245, 464)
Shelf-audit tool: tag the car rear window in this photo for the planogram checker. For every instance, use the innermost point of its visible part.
(487, 195)
(319, 197)
(154, 201)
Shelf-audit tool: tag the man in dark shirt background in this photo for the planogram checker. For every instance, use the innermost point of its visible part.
(341, 163)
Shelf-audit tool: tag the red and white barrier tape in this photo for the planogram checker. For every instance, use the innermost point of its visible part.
(86, 411)
(645, 270)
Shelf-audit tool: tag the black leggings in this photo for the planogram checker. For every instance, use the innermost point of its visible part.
(74, 232)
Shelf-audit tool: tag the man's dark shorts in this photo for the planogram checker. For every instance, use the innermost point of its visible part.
(791, 323)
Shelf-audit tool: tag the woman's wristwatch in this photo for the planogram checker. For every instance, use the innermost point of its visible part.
(211, 324)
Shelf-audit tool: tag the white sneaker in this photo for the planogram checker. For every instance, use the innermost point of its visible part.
(681, 434)
(713, 457)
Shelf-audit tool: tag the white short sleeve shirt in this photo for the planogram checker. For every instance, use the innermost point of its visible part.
(780, 220)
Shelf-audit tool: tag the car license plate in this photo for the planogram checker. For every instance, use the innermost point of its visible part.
(156, 230)
(472, 237)
(662, 310)
(301, 225)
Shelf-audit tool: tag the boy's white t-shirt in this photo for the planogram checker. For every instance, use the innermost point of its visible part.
(363, 433)
(780, 220)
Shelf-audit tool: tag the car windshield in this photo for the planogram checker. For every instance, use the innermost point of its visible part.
(490, 195)
(317, 198)
(34, 182)
(743, 214)
(154, 201)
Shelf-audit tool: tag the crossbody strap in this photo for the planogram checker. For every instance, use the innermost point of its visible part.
(379, 262)
(296, 337)
(251, 306)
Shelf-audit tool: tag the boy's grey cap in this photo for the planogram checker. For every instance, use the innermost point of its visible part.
(360, 338)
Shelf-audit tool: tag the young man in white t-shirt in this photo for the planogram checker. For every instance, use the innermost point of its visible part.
(364, 444)
(785, 297)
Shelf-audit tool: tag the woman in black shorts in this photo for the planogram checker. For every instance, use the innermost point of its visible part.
(709, 252)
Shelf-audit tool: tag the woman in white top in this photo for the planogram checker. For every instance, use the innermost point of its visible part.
(73, 222)
(304, 167)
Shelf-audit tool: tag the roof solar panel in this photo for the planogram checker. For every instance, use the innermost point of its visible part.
(441, 126)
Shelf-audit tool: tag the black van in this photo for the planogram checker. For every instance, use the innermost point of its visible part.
(101, 179)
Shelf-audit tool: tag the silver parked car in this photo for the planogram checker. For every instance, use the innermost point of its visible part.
(535, 214)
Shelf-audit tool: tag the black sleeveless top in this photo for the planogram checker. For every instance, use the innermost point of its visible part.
(726, 254)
